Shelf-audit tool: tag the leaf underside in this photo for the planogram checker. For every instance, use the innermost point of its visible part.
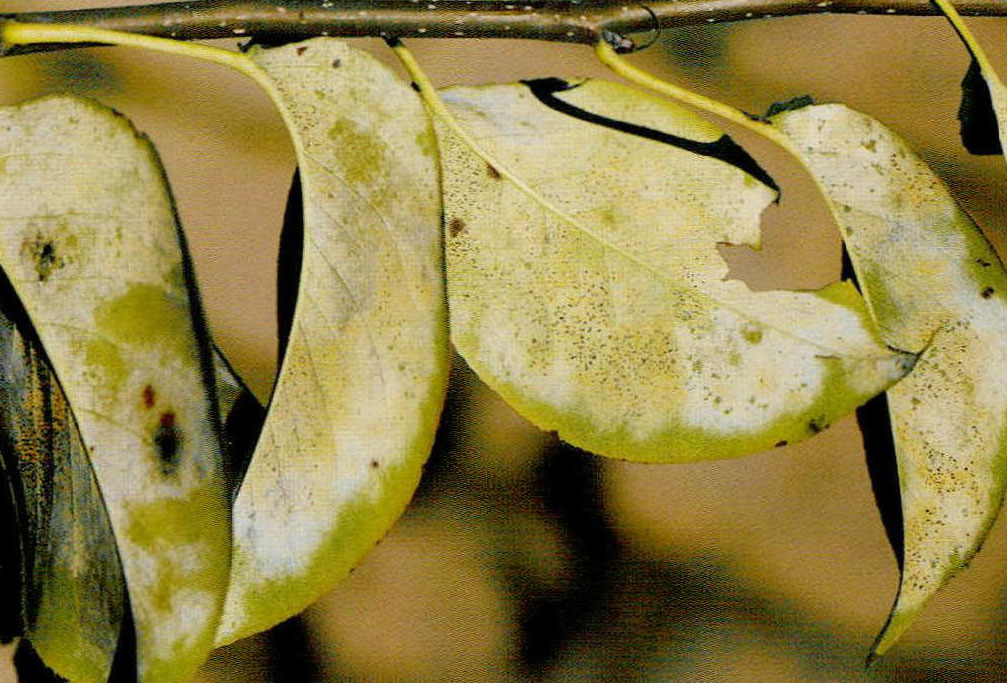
(980, 131)
(95, 257)
(72, 590)
(600, 308)
(935, 286)
(983, 110)
(358, 396)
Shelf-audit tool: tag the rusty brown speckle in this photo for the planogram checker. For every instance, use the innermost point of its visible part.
(456, 227)
(492, 172)
(149, 397)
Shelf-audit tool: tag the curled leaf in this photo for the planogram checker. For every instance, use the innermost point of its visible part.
(595, 301)
(72, 587)
(935, 286)
(983, 112)
(361, 384)
(97, 260)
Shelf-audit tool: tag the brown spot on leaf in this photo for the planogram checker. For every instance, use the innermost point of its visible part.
(781, 444)
(374, 464)
(168, 442)
(301, 51)
(492, 172)
(149, 397)
(456, 227)
(984, 263)
(987, 293)
(336, 63)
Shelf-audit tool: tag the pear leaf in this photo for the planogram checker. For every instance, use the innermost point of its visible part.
(597, 303)
(72, 590)
(96, 258)
(355, 407)
(983, 112)
(935, 287)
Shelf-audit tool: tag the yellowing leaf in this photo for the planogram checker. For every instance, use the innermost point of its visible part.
(934, 285)
(72, 588)
(354, 410)
(95, 256)
(600, 308)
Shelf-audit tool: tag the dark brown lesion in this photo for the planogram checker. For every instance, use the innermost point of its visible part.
(45, 258)
(492, 172)
(987, 292)
(168, 442)
(456, 226)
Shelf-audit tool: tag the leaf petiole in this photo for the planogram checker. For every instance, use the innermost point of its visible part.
(17, 33)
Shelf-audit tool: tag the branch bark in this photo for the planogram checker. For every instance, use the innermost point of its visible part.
(573, 21)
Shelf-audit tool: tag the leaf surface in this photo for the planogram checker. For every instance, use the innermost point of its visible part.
(73, 592)
(600, 308)
(360, 387)
(935, 286)
(979, 104)
(97, 260)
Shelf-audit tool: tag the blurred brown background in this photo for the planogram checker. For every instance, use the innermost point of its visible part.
(523, 559)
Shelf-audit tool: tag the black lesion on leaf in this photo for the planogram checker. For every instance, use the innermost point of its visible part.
(724, 148)
(980, 131)
(168, 442)
(45, 257)
(817, 424)
(987, 292)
